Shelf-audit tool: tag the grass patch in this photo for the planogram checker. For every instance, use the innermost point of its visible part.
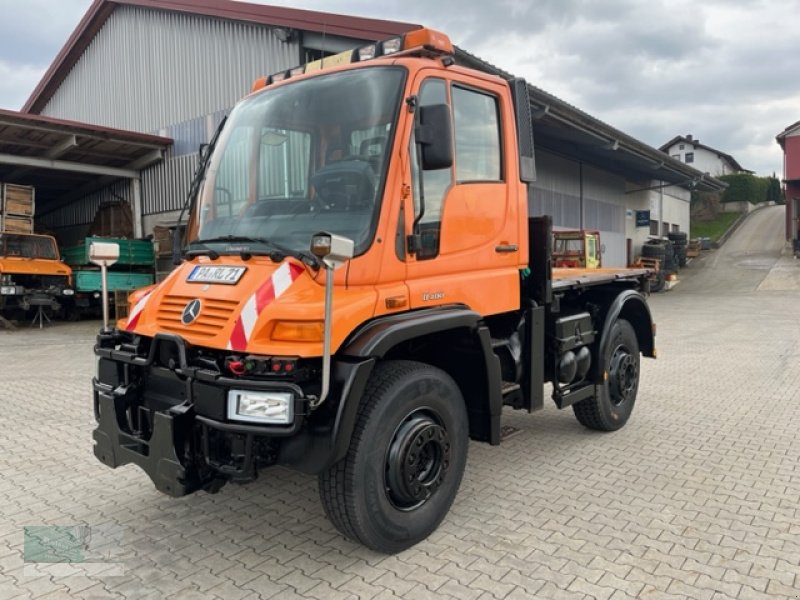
(713, 229)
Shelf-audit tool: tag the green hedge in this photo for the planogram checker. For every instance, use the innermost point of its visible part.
(744, 187)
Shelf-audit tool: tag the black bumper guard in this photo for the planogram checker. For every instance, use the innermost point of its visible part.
(169, 454)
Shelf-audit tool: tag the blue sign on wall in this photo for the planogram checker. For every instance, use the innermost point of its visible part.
(643, 218)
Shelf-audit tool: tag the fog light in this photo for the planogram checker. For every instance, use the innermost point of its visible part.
(261, 407)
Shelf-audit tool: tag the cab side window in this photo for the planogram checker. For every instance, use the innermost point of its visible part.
(477, 132)
(434, 183)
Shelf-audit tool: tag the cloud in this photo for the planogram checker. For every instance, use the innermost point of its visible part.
(31, 34)
(725, 72)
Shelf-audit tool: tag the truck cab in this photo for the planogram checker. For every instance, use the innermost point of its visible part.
(577, 249)
(31, 272)
(360, 292)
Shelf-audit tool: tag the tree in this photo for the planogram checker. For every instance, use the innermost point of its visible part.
(774, 193)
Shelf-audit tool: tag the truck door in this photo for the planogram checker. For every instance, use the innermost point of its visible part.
(470, 248)
(592, 249)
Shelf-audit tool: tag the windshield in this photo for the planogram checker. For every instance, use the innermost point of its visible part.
(568, 247)
(27, 246)
(298, 159)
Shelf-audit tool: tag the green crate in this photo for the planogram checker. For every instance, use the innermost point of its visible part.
(131, 252)
(90, 281)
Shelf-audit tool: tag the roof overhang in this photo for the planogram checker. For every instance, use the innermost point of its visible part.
(567, 130)
(65, 160)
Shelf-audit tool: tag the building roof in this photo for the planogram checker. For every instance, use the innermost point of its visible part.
(791, 129)
(305, 20)
(65, 158)
(682, 139)
(563, 128)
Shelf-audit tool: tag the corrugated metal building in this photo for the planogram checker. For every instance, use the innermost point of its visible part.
(173, 68)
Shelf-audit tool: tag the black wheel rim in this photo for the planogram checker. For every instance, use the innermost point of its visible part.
(417, 460)
(622, 375)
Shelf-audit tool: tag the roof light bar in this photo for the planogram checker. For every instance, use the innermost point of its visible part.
(391, 46)
(423, 42)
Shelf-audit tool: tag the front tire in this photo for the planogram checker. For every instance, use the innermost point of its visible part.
(405, 461)
(611, 408)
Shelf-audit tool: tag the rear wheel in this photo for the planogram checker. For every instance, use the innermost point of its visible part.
(611, 408)
(405, 461)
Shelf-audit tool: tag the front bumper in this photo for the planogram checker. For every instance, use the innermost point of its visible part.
(171, 421)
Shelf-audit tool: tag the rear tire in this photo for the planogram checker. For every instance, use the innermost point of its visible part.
(405, 461)
(613, 405)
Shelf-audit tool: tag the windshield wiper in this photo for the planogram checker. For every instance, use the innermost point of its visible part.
(203, 251)
(199, 174)
(277, 254)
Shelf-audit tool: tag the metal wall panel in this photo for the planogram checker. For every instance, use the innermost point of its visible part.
(165, 185)
(577, 195)
(148, 69)
(83, 211)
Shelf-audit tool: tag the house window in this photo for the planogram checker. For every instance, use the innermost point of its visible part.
(680, 147)
(676, 156)
(664, 228)
(690, 157)
(653, 227)
(675, 228)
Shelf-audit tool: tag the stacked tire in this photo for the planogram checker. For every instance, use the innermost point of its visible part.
(656, 249)
(680, 242)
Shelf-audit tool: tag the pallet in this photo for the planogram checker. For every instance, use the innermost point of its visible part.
(647, 262)
(18, 200)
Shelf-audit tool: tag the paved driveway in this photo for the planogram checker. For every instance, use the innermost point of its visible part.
(697, 497)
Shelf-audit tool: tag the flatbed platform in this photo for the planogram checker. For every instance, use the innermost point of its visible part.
(571, 278)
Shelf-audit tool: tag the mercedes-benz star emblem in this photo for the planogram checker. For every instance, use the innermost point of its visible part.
(190, 312)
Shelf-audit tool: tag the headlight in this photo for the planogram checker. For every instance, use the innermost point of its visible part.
(261, 407)
(68, 292)
(8, 290)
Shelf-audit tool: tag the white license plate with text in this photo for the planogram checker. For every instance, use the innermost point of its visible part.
(208, 274)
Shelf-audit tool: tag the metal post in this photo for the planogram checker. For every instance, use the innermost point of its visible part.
(138, 229)
(104, 282)
(326, 336)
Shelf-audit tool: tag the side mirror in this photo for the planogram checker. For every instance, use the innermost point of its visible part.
(434, 133)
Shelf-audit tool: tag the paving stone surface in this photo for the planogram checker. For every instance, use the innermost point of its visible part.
(697, 497)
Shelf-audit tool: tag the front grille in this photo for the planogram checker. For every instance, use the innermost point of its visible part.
(215, 314)
(39, 282)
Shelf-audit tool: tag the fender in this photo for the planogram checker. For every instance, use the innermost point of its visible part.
(321, 447)
(380, 335)
(477, 372)
(631, 306)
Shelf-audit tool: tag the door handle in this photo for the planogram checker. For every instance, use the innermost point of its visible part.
(505, 248)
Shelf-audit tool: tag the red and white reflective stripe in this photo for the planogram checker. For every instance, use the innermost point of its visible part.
(133, 318)
(271, 290)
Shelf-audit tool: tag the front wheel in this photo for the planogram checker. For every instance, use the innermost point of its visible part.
(405, 461)
(612, 406)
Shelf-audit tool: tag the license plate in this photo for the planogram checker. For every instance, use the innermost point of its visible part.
(225, 275)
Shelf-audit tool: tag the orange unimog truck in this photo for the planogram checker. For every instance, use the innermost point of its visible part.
(361, 292)
(31, 273)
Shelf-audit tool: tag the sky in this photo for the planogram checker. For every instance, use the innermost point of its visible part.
(727, 72)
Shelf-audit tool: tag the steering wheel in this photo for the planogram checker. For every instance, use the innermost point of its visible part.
(345, 184)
